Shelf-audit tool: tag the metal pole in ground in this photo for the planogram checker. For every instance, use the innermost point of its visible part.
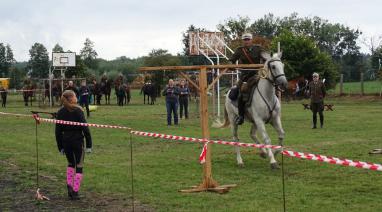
(131, 169)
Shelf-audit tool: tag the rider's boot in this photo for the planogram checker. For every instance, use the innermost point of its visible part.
(241, 108)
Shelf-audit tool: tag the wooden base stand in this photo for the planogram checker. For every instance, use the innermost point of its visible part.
(212, 186)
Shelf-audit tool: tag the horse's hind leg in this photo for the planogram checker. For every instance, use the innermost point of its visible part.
(263, 153)
(237, 148)
(276, 123)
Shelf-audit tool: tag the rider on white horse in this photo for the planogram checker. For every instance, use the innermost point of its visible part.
(246, 54)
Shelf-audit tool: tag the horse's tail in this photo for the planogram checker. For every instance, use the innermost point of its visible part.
(218, 124)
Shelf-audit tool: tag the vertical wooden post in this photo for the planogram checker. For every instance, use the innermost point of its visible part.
(362, 91)
(208, 182)
(342, 84)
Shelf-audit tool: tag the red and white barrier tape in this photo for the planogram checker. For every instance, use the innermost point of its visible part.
(333, 160)
(79, 123)
(301, 155)
(200, 140)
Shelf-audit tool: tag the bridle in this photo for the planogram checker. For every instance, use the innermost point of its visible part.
(274, 78)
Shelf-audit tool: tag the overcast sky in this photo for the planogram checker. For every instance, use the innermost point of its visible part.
(132, 28)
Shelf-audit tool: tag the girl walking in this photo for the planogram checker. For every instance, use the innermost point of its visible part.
(70, 141)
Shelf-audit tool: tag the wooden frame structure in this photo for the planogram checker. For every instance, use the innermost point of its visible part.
(208, 184)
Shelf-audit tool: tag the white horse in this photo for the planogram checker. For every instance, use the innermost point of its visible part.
(265, 108)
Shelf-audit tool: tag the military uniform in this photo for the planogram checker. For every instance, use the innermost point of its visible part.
(246, 55)
(317, 93)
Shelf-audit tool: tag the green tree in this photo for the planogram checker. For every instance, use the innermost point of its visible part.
(79, 70)
(161, 57)
(233, 28)
(301, 57)
(267, 26)
(39, 61)
(3, 62)
(58, 48)
(6, 59)
(334, 38)
(89, 55)
(376, 61)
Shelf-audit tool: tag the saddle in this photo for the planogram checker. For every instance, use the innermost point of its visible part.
(247, 89)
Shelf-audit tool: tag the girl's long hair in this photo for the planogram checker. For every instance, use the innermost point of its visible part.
(65, 100)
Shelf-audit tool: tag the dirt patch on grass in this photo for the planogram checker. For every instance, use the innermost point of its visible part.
(17, 196)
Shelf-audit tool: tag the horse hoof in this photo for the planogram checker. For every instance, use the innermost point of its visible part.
(275, 166)
(240, 165)
(263, 155)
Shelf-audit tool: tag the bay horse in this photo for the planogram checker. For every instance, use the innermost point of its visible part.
(117, 83)
(265, 108)
(128, 94)
(28, 93)
(297, 88)
(149, 90)
(106, 85)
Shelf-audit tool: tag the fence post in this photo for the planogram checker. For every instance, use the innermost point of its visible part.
(342, 84)
(362, 91)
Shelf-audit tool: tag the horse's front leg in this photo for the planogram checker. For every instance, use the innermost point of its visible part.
(261, 127)
(276, 123)
(263, 153)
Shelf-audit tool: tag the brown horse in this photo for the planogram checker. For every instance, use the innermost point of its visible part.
(106, 85)
(28, 93)
(297, 88)
(149, 90)
(127, 91)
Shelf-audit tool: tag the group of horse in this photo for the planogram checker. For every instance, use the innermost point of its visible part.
(97, 89)
(105, 86)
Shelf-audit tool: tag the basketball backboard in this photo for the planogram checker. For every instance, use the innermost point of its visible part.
(204, 41)
(64, 59)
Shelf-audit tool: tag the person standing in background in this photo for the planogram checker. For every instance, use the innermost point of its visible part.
(73, 88)
(171, 92)
(84, 97)
(317, 93)
(3, 93)
(184, 94)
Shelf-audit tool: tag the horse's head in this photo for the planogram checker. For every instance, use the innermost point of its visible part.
(275, 69)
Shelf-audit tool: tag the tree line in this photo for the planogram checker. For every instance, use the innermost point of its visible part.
(309, 44)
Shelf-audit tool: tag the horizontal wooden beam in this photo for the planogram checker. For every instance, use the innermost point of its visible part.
(197, 68)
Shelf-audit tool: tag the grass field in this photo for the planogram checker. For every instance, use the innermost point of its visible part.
(161, 168)
(370, 87)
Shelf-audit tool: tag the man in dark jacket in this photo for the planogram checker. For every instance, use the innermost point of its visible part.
(72, 87)
(171, 92)
(246, 54)
(317, 93)
(84, 97)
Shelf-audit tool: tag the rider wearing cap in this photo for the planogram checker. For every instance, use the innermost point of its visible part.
(249, 53)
